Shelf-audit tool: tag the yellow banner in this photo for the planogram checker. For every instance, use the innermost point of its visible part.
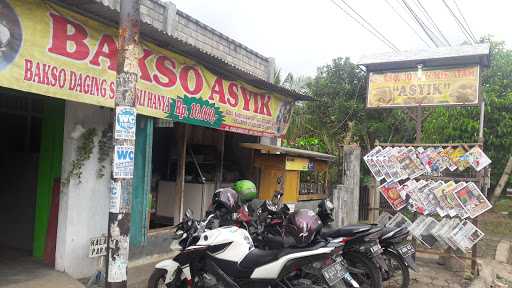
(297, 164)
(49, 50)
(427, 87)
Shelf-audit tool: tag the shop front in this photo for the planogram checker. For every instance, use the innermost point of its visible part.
(193, 112)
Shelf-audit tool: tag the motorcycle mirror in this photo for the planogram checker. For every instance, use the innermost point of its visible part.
(189, 213)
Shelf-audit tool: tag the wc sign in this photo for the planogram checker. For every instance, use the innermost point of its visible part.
(125, 122)
(124, 157)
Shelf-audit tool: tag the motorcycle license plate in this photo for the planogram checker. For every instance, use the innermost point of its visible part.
(334, 272)
(406, 250)
(376, 249)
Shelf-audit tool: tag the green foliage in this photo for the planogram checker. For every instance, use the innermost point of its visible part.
(83, 153)
(338, 115)
(461, 124)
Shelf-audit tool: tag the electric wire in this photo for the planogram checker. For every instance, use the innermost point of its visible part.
(368, 23)
(418, 20)
(408, 24)
(375, 33)
(465, 21)
(457, 20)
(429, 17)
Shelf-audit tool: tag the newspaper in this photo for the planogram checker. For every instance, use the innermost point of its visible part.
(416, 225)
(472, 200)
(372, 165)
(399, 221)
(436, 232)
(466, 235)
(390, 191)
(384, 218)
(446, 231)
(425, 232)
(478, 159)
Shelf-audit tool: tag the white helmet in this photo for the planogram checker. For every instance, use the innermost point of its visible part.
(5, 35)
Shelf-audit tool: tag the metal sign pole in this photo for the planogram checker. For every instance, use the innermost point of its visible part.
(124, 145)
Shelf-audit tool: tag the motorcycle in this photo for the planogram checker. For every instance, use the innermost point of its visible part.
(397, 255)
(226, 257)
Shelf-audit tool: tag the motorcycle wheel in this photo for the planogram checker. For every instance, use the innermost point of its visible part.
(157, 280)
(370, 276)
(398, 271)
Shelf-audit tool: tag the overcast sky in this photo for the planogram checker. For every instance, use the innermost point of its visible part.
(304, 34)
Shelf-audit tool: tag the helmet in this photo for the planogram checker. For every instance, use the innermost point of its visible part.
(246, 190)
(227, 198)
(326, 211)
(303, 225)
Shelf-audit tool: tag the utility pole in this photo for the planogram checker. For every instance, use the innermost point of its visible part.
(124, 145)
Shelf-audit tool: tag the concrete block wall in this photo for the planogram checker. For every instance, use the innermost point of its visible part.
(218, 44)
(165, 17)
(83, 210)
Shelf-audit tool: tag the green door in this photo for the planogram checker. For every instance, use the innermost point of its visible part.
(141, 180)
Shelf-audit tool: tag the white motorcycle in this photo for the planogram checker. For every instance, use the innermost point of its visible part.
(226, 258)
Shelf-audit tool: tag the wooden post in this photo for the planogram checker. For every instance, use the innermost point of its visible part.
(348, 196)
(503, 181)
(182, 133)
(220, 167)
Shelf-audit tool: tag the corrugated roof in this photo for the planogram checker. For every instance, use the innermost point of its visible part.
(288, 151)
(108, 15)
(442, 56)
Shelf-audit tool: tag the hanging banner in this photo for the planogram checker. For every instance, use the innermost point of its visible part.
(46, 49)
(428, 87)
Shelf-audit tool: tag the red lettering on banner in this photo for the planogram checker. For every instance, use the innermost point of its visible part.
(246, 97)
(143, 67)
(218, 90)
(180, 110)
(254, 97)
(29, 74)
(185, 80)
(167, 68)
(106, 41)
(265, 105)
(233, 94)
(112, 88)
(62, 37)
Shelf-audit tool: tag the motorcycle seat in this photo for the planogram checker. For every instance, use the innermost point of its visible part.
(259, 257)
(390, 232)
(346, 231)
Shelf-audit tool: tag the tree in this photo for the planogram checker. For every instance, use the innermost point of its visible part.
(337, 115)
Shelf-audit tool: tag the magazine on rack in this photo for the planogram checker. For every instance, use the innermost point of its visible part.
(455, 157)
(390, 191)
(430, 201)
(370, 162)
(393, 165)
(384, 218)
(478, 159)
(441, 194)
(381, 163)
(466, 235)
(472, 200)
(458, 210)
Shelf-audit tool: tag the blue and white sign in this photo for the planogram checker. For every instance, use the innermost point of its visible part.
(115, 197)
(125, 122)
(124, 157)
